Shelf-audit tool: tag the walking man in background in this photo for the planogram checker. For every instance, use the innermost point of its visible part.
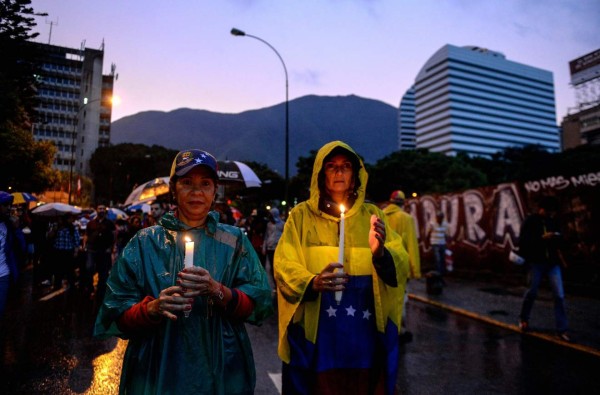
(539, 243)
(100, 241)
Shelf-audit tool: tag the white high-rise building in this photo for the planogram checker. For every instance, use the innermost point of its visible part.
(406, 121)
(74, 104)
(473, 100)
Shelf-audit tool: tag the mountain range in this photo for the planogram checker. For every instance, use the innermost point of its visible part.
(369, 126)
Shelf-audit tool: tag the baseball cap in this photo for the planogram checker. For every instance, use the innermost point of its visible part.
(187, 160)
(397, 196)
(6, 197)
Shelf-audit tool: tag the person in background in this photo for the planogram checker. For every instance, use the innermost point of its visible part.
(404, 224)
(540, 242)
(224, 287)
(256, 227)
(12, 249)
(273, 232)
(157, 210)
(123, 234)
(225, 213)
(65, 247)
(25, 223)
(99, 245)
(437, 232)
(350, 346)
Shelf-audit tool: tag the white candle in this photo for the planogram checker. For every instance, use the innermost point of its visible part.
(188, 261)
(189, 252)
(338, 294)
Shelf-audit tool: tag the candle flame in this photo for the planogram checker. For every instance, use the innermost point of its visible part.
(187, 239)
(342, 208)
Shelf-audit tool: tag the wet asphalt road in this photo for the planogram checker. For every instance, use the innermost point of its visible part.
(47, 348)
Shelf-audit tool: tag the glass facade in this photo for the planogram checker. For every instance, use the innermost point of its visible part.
(406, 121)
(473, 100)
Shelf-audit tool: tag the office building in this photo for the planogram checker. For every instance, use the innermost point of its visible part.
(473, 100)
(406, 121)
(74, 104)
(582, 125)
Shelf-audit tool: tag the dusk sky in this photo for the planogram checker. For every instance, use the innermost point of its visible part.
(174, 54)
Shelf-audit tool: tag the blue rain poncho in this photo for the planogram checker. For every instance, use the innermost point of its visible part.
(205, 353)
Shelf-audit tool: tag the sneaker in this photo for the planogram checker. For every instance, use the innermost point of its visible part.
(523, 326)
(564, 336)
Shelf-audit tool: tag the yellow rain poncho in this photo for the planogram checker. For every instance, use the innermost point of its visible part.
(309, 243)
(404, 224)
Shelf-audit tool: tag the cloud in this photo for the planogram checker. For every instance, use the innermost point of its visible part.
(308, 77)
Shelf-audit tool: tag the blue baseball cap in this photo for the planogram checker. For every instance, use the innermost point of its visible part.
(187, 160)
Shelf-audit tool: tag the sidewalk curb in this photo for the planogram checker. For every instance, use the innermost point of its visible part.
(514, 328)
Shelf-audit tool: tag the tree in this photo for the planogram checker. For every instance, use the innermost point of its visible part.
(421, 172)
(299, 189)
(272, 182)
(26, 164)
(118, 169)
(18, 63)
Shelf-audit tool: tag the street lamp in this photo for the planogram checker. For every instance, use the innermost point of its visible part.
(73, 148)
(237, 32)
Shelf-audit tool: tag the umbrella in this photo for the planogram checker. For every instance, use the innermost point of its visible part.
(140, 206)
(148, 191)
(237, 172)
(114, 214)
(54, 209)
(23, 197)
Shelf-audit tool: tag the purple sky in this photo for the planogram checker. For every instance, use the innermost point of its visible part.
(174, 54)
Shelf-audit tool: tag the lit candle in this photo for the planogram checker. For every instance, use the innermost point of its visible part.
(338, 294)
(188, 261)
(189, 252)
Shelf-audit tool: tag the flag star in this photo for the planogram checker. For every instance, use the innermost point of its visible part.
(198, 160)
(350, 311)
(331, 311)
(366, 314)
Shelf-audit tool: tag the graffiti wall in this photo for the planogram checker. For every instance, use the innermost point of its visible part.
(484, 224)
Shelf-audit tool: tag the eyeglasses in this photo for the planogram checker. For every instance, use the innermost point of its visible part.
(332, 168)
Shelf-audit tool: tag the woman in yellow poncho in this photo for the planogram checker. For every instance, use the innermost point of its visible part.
(350, 347)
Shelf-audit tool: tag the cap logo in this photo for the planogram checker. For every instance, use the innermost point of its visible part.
(185, 157)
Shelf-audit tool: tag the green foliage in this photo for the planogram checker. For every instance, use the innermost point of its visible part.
(300, 184)
(421, 172)
(18, 64)
(272, 182)
(118, 169)
(26, 164)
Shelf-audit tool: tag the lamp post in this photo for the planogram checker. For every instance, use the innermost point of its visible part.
(237, 33)
(73, 148)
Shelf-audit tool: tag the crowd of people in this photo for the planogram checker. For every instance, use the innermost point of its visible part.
(181, 280)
